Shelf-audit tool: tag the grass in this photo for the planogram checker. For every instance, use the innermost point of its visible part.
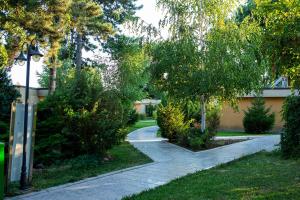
(142, 124)
(260, 176)
(225, 133)
(122, 156)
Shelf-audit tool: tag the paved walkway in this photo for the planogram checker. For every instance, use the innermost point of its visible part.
(170, 162)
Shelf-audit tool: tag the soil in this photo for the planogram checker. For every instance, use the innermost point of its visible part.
(213, 144)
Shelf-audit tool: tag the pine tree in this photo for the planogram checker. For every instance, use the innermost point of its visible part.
(258, 118)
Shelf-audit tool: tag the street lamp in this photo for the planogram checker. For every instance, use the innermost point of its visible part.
(32, 51)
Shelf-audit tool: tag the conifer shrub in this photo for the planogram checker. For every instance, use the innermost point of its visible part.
(258, 118)
(170, 119)
(290, 137)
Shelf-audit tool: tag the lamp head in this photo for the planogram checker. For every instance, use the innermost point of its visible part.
(21, 59)
(35, 52)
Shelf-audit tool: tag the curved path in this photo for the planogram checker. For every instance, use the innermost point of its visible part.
(170, 162)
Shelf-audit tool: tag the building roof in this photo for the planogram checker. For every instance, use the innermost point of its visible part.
(276, 92)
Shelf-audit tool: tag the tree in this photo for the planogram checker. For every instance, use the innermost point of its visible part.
(207, 55)
(47, 21)
(8, 94)
(258, 119)
(281, 39)
(117, 12)
(132, 62)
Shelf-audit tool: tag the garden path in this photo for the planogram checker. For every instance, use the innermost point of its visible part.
(170, 162)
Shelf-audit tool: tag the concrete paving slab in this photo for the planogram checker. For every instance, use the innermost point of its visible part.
(171, 162)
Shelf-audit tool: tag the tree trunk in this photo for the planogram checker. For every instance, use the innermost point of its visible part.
(52, 81)
(79, 46)
(203, 114)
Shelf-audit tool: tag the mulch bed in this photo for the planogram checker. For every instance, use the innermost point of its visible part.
(214, 144)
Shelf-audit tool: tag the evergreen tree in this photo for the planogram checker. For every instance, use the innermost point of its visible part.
(8, 94)
(258, 119)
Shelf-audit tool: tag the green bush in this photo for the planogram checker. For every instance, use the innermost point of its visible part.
(142, 117)
(290, 137)
(170, 119)
(197, 139)
(213, 119)
(4, 131)
(191, 110)
(79, 118)
(133, 117)
(149, 110)
(8, 94)
(258, 119)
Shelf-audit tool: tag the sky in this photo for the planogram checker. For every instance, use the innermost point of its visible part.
(148, 13)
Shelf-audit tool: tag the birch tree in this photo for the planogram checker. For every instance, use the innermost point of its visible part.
(206, 55)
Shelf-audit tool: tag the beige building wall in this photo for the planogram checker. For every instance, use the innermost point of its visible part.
(232, 120)
(140, 106)
(35, 94)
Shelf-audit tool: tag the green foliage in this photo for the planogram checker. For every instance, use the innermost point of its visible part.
(198, 140)
(79, 118)
(4, 131)
(149, 110)
(142, 116)
(191, 110)
(280, 22)
(8, 94)
(290, 137)
(213, 118)
(3, 57)
(258, 119)
(170, 119)
(132, 63)
(133, 117)
(117, 12)
(21, 21)
(208, 55)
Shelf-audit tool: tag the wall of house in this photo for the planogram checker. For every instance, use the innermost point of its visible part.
(35, 94)
(232, 120)
(140, 106)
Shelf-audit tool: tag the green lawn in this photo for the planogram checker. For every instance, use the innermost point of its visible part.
(142, 124)
(123, 156)
(260, 176)
(225, 133)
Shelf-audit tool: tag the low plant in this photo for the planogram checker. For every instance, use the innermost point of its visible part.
(258, 119)
(198, 139)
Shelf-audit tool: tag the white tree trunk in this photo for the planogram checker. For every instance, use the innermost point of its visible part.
(203, 114)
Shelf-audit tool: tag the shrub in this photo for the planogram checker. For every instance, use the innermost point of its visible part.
(258, 119)
(149, 110)
(198, 139)
(4, 131)
(8, 94)
(133, 117)
(170, 119)
(191, 110)
(79, 118)
(142, 116)
(290, 137)
(213, 119)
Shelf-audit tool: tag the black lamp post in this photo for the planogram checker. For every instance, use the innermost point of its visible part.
(32, 51)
